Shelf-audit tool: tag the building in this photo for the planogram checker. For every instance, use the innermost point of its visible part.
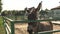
(56, 12)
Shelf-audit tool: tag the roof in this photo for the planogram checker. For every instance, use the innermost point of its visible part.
(58, 7)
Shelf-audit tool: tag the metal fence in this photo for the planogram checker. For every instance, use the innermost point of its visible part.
(10, 29)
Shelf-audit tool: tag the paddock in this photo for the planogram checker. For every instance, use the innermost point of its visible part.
(20, 26)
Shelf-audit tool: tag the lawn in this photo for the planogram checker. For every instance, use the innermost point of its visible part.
(2, 31)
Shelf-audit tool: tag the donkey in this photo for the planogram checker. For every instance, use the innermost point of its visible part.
(35, 26)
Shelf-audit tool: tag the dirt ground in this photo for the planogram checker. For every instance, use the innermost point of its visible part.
(56, 27)
(22, 28)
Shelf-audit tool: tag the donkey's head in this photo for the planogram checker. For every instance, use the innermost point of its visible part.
(31, 13)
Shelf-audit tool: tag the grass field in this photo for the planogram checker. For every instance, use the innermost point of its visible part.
(2, 31)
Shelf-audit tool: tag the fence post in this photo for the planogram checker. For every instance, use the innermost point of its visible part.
(12, 27)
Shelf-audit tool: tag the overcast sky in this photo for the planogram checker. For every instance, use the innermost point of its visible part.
(21, 4)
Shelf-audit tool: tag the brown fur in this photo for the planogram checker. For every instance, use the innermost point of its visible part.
(37, 26)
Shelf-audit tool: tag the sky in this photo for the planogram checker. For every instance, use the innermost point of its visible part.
(21, 4)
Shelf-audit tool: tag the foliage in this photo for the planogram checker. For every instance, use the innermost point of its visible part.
(43, 12)
(0, 5)
(46, 9)
(2, 31)
(13, 12)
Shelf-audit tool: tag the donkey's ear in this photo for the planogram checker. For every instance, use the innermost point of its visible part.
(25, 9)
(27, 12)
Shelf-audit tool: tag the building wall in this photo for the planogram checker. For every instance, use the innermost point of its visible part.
(56, 13)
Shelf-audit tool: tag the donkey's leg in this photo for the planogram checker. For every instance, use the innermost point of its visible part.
(51, 26)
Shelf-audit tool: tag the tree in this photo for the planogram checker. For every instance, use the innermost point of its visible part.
(0, 5)
(46, 9)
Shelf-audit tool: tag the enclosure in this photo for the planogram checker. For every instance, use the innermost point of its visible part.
(18, 25)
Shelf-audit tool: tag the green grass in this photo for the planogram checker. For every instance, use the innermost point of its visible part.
(2, 31)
